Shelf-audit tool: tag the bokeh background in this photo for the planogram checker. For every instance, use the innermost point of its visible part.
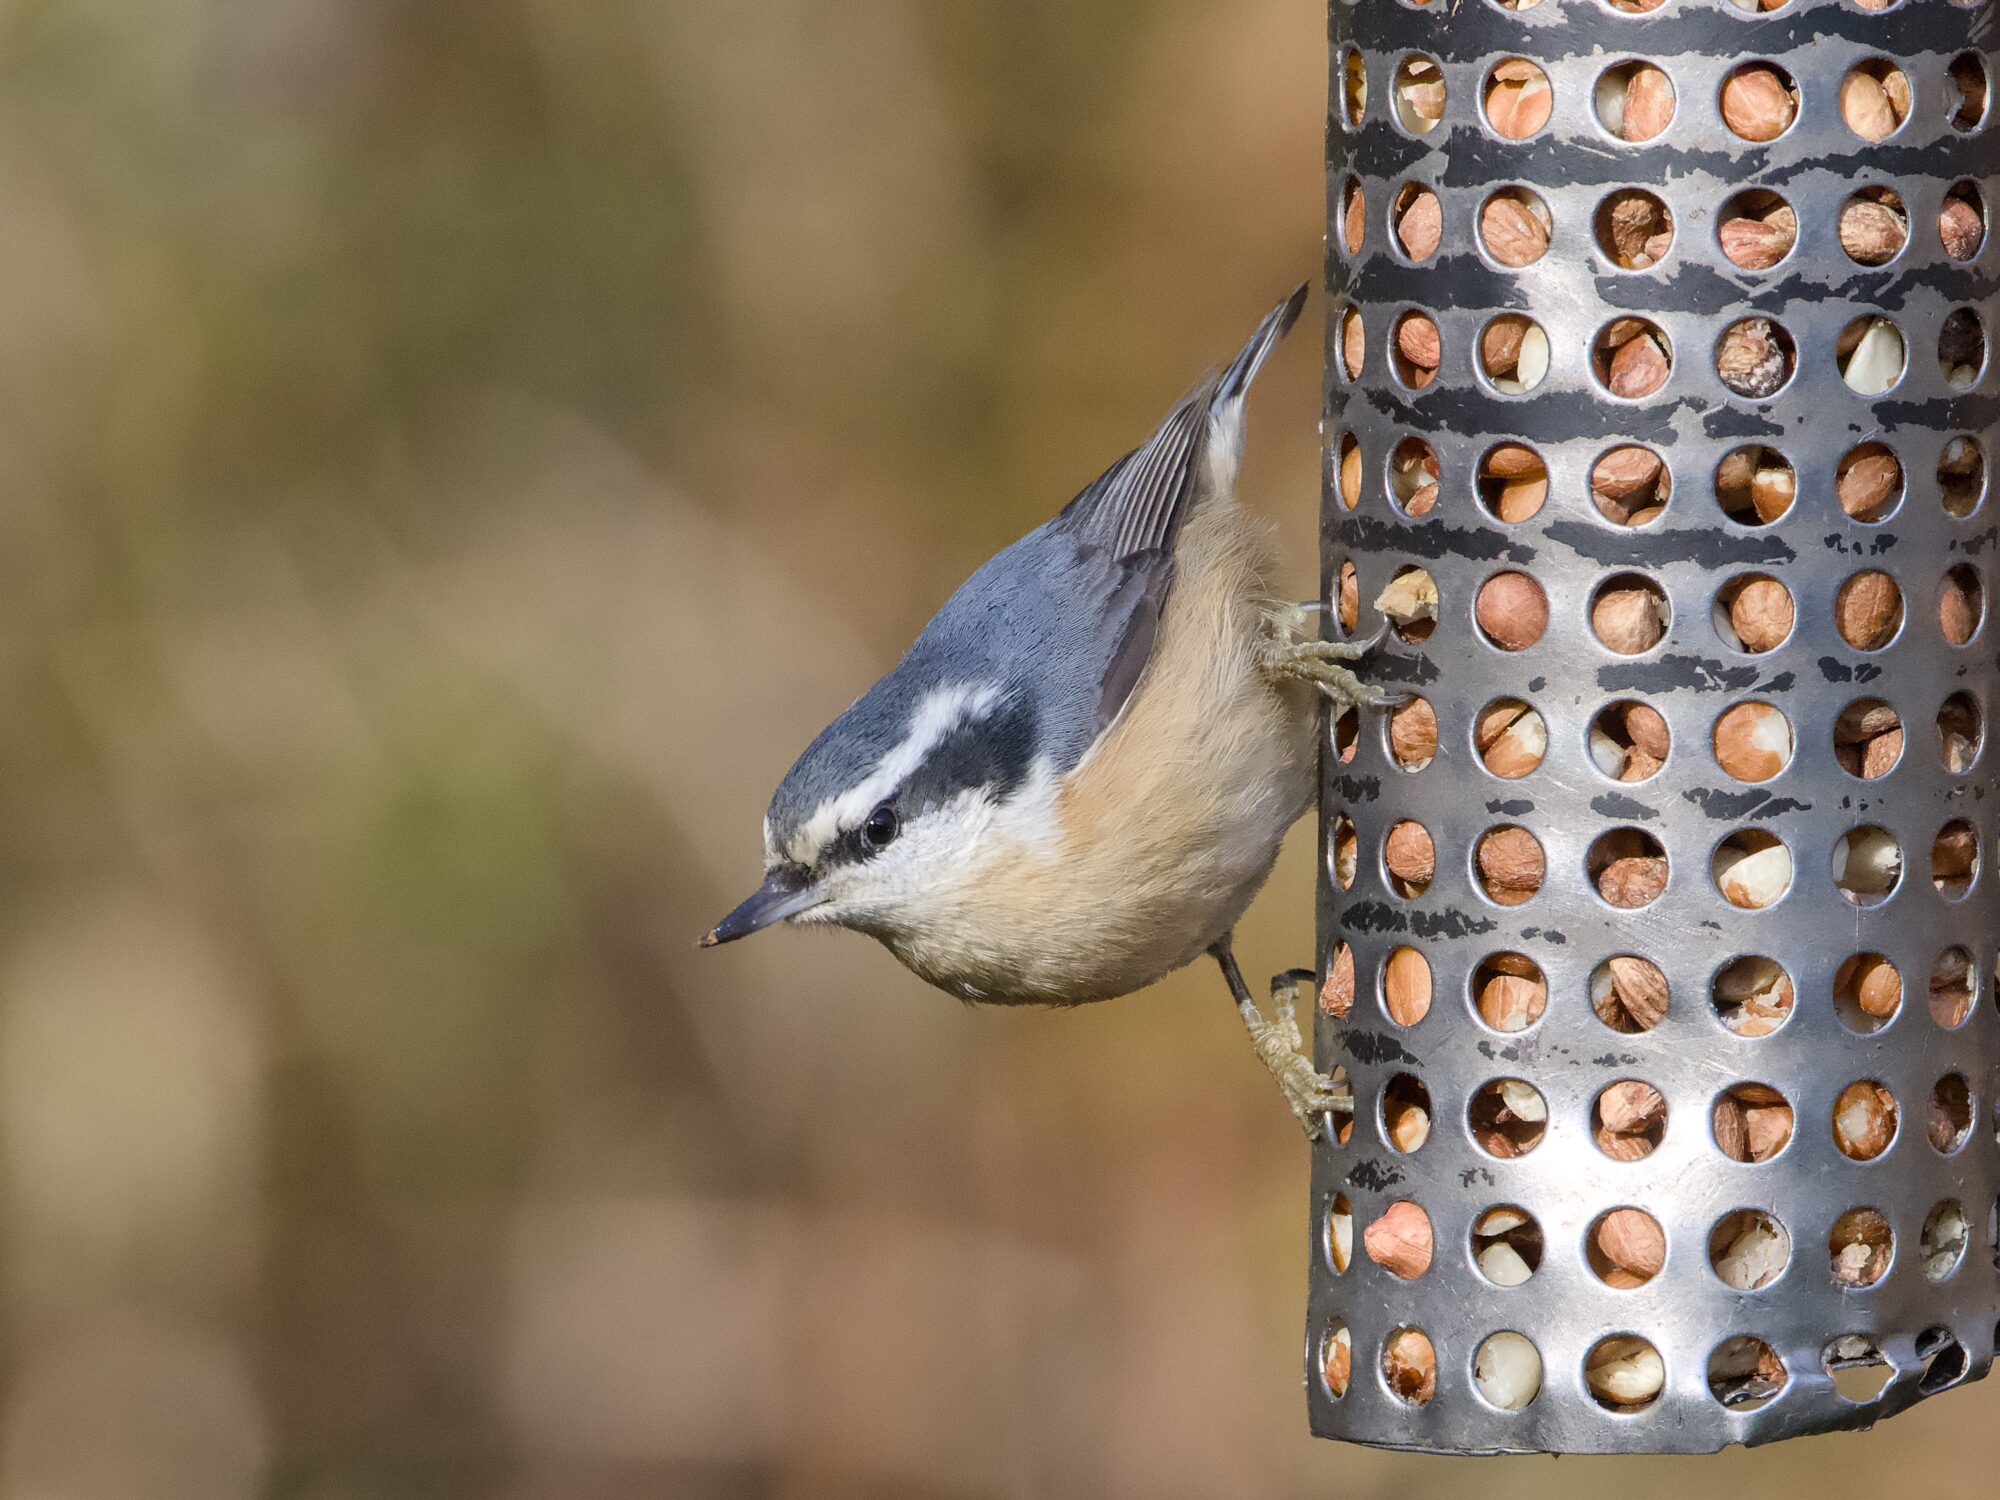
(453, 454)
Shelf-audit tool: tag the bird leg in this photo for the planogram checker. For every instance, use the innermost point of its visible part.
(1280, 1046)
(1294, 655)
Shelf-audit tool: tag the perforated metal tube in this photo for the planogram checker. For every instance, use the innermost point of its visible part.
(1889, 988)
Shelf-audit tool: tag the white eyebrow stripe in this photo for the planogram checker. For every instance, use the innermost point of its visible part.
(941, 711)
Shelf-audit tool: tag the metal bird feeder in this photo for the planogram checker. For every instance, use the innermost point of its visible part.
(1657, 930)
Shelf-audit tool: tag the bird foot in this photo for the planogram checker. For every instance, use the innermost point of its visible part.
(1281, 1047)
(1322, 663)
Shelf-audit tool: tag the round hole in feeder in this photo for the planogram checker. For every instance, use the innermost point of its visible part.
(1410, 602)
(1868, 610)
(1865, 1120)
(1511, 610)
(1951, 988)
(1339, 1238)
(1417, 221)
(1753, 996)
(1412, 728)
(1400, 1241)
(1861, 1247)
(1629, 994)
(1353, 216)
(1745, 1374)
(1753, 613)
(1507, 1245)
(1755, 358)
(1629, 740)
(1346, 735)
(1347, 608)
(1409, 858)
(1624, 1373)
(1353, 350)
(1867, 993)
(1416, 350)
(1409, 1366)
(1340, 1120)
(1406, 986)
(1962, 220)
(1944, 1358)
(1509, 864)
(1515, 226)
(1344, 851)
(1868, 738)
(1336, 1358)
(1630, 485)
(1418, 94)
(1336, 994)
(1859, 1370)
(1635, 229)
(1508, 1118)
(1513, 354)
(1510, 738)
(1951, 1114)
(1629, 614)
(1961, 604)
(1968, 92)
(1348, 471)
(1752, 869)
(1875, 99)
(1759, 101)
(1961, 732)
(1755, 485)
(1513, 482)
(1961, 476)
(1961, 349)
(1752, 1123)
(1413, 477)
(1955, 859)
(1871, 354)
(1869, 483)
(1406, 1113)
(1757, 229)
(1625, 1248)
(1867, 865)
(1634, 101)
(1353, 86)
(1509, 992)
(1628, 1120)
(1874, 226)
(1628, 867)
(1631, 357)
(1516, 98)
(1749, 1249)
(1752, 741)
(1507, 1371)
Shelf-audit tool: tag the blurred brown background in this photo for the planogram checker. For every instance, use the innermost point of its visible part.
(453, 454)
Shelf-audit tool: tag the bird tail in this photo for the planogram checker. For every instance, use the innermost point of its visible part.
(1243, 369)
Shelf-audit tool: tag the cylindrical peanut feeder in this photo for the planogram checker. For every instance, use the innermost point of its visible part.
(1658, 930)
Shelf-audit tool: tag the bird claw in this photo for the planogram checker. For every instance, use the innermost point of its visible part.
(1281, 1046)
(1322, 664)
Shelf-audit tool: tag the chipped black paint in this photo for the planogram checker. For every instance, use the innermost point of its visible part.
(1375, 1047)
(1757, 804)
(1704, 674)
(1621, 808)
(1373, 1176)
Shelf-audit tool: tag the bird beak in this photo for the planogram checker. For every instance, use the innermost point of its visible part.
(786, 892)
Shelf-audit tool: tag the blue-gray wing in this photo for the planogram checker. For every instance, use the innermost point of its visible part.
(1068, 615)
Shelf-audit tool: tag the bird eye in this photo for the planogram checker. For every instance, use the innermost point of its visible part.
(882, 827)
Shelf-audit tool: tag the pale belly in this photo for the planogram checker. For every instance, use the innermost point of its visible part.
(1163, 835)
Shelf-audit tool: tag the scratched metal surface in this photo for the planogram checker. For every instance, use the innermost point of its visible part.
(1690, 677)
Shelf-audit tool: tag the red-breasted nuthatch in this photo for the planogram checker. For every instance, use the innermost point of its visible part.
(1079, 776)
